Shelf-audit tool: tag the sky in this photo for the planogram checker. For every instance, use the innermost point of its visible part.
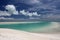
(30, 9)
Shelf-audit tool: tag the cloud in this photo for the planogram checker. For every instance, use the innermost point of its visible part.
(51, 17)
(49, 11)
(36, 14)
(46, 4)
(5, 18)
(34, 1)
(30, 14)
(11, 9)
(4, 13)
(30, 2)
(23, 12)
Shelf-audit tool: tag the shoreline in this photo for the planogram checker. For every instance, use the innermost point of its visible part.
(17, 22)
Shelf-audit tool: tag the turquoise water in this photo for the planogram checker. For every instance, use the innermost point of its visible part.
(31, 27)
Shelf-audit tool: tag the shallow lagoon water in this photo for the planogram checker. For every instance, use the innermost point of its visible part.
(32, 27)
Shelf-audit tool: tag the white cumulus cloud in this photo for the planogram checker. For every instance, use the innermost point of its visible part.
(27, 13)
(11, 9)
(4, 13)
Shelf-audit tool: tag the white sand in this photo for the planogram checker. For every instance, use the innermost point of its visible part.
(10, 34)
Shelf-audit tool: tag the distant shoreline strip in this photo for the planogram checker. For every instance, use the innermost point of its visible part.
(17, 22)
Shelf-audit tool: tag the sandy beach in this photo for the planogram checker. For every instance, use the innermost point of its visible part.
(10, 34)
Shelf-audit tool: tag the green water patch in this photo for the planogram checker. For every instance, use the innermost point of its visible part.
(25, 26)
